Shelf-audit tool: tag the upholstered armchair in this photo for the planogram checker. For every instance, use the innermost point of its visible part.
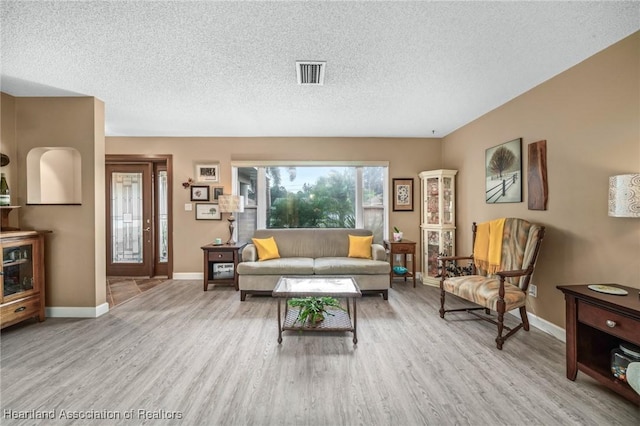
(504, 257)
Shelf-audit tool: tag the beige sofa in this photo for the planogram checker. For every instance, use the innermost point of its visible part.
(317, 251)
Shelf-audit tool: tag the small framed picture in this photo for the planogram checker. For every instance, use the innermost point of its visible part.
(403, 194)
(209, 172)
(217, 191)
(208, 211)
(199, 193)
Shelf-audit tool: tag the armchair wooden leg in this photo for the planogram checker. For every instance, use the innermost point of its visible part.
(525, 319)
(441, 300)
(500, 339)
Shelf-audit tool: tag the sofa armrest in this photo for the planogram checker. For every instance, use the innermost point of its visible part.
(249, 253)
(378, 252)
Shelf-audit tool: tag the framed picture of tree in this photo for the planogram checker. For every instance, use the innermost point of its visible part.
(503, 167)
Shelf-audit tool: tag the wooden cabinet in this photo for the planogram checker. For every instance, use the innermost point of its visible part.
(22, 279)
(596, 324)
(438, 220)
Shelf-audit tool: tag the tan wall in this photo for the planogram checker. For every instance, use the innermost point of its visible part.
(75, 255)
(8, 146)
(407, 157)
(590, 118)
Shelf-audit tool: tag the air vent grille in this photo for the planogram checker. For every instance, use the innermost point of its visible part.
(310, 72)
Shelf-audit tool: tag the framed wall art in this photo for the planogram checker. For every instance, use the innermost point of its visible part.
(217, 192)
(403, 194)
(208, 211)
(503, 173)
(537, 185)
(209, 172)
(199, 193)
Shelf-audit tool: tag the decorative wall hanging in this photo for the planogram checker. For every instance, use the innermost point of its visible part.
(208, 211)
(403, 194)
(199, 193)
(217, 192)
(503, 168)
(537, 187)
(209, 172)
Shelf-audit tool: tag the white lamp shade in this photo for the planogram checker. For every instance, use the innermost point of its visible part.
(624, 195)
(231, 203)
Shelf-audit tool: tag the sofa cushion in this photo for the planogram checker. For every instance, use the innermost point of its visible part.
(282, 266)
(314, 243)
(349, 266)
(360, 246)
(267, 248)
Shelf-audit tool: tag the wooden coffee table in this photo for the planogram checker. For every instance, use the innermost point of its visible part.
(318, 286)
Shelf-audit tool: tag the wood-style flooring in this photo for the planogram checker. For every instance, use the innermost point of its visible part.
(209, 359)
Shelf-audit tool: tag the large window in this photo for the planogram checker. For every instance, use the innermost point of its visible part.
(304, 195)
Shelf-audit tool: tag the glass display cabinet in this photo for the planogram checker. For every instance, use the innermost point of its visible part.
(438, 220)
(22, 278)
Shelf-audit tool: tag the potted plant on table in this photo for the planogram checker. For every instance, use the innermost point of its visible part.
(397, 235)
(313, 309)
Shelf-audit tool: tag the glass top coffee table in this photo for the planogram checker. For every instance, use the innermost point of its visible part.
(318, 286)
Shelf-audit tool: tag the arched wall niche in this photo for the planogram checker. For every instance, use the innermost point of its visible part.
(54, 176)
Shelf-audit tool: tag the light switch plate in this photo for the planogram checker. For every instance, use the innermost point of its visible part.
(188, 207)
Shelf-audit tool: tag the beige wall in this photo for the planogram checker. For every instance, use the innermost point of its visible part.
(590, 118)
(75, 250)
(407, 157)
(8, 146)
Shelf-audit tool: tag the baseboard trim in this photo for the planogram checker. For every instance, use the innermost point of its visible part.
(543, 325)
(75, 312)
(188, 275)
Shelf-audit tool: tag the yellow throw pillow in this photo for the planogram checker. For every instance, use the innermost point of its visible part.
(267, 248)
(360, 246)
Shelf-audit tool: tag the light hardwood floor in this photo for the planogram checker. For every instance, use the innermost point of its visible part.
(215, 360)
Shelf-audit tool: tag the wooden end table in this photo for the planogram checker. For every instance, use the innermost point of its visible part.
(221, 253)
(596, 324)
(403, 247)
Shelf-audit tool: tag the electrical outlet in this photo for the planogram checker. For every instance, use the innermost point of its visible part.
(533, 290)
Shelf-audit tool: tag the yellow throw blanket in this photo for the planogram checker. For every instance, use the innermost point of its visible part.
(487, 250)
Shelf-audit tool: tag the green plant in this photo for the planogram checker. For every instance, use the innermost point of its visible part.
(396, 229)
(312, 309)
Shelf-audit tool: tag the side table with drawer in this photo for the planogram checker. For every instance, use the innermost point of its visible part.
(403, 248)
(597, 323)
(216, 255)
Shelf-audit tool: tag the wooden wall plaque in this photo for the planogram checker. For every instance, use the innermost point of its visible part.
(537, 176)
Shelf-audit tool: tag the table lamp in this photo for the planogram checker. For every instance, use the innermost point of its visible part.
(231, 204)
(624, 195)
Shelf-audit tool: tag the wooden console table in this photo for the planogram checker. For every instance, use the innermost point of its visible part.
(221, 253)
(403, 247)
(596, 324)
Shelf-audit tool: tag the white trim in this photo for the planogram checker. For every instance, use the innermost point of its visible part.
(188, 275)
(76, 312)
(543, 325)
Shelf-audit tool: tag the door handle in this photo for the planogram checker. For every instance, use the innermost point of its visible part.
(147, 229)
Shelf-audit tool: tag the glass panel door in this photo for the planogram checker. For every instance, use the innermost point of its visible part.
(17, 262)
(130, 251)
(433, 201)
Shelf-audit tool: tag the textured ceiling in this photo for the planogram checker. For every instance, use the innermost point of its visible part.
(403, 69)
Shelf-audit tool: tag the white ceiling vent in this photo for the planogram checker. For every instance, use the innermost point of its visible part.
(310, 72)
